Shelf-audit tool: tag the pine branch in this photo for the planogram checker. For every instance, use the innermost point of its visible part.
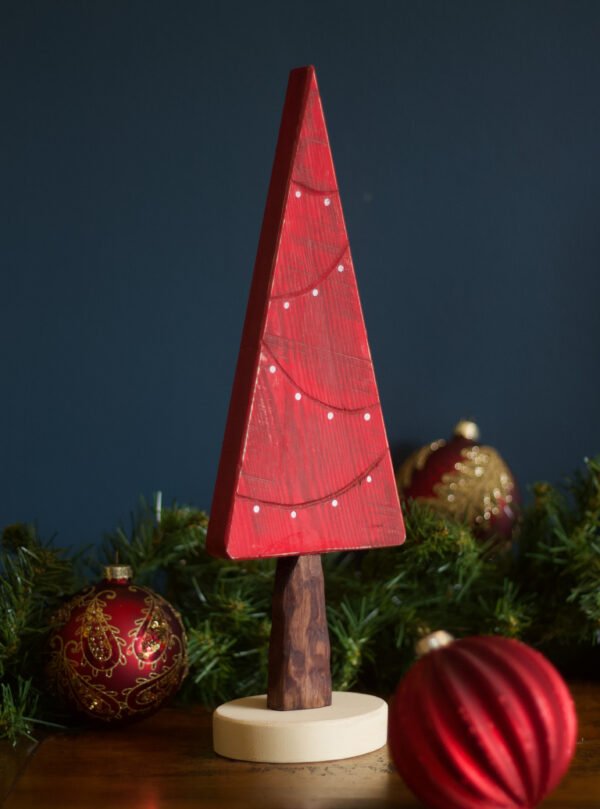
(379, 602)
(151, 548)
(561, 559)
(35, 579)
(19, 703)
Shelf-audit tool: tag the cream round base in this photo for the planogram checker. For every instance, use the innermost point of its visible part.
(247, 730)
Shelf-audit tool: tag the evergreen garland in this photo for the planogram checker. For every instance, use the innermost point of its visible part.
(379, 602)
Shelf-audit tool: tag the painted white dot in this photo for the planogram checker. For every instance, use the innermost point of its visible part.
(297, 396)
(326, 202)
(330, 415)
(367, 417)
(272, 369)
(340, 268)
(334, 503)
(256, 509)
(369, 479)
(286, 305)
(298, 194)
(315, 292)
(293, 515)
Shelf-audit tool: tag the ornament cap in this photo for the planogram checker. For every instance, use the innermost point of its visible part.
(118, 572)
(433, 641)
(466, 428)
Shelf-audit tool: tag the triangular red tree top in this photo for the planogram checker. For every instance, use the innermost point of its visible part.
(305, 465)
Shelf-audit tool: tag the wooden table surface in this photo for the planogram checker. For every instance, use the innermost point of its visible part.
(167, 762)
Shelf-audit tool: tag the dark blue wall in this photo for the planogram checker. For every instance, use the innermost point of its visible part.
(136, 148)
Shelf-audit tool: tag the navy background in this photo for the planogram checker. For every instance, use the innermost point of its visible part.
(136, 148)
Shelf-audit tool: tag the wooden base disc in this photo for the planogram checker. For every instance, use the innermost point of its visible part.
(352, 725)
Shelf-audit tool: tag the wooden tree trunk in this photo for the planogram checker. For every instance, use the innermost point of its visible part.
(299, 670)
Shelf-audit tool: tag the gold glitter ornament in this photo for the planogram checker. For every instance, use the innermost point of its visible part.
(465, 480)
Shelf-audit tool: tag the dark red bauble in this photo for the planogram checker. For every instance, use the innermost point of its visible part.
(117, 651)
(465, 480)
(482, 723)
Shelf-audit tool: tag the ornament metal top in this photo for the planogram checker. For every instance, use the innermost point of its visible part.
(464, 480)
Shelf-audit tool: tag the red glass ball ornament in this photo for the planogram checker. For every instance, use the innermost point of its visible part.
(481, 723)
(117, 651)
(465, 480)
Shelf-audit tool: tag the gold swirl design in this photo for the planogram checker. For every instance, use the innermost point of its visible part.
(99, 641)
(151, 635)
(151, 691)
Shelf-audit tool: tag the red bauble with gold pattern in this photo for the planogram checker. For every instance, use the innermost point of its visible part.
(465, 480)
(481, 723)
(117, 651)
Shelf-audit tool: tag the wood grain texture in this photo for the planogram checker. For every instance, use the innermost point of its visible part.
(167, 761)
(305, 465)
(299, 651)
(13, 760)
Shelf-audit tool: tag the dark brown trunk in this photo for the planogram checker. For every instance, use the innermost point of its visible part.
(299, 669)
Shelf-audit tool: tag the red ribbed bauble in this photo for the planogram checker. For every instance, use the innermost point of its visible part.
(117, 651)
(481, 723)
(465, 480)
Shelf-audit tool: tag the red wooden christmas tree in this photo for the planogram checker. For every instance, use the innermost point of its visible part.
(305, 466)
